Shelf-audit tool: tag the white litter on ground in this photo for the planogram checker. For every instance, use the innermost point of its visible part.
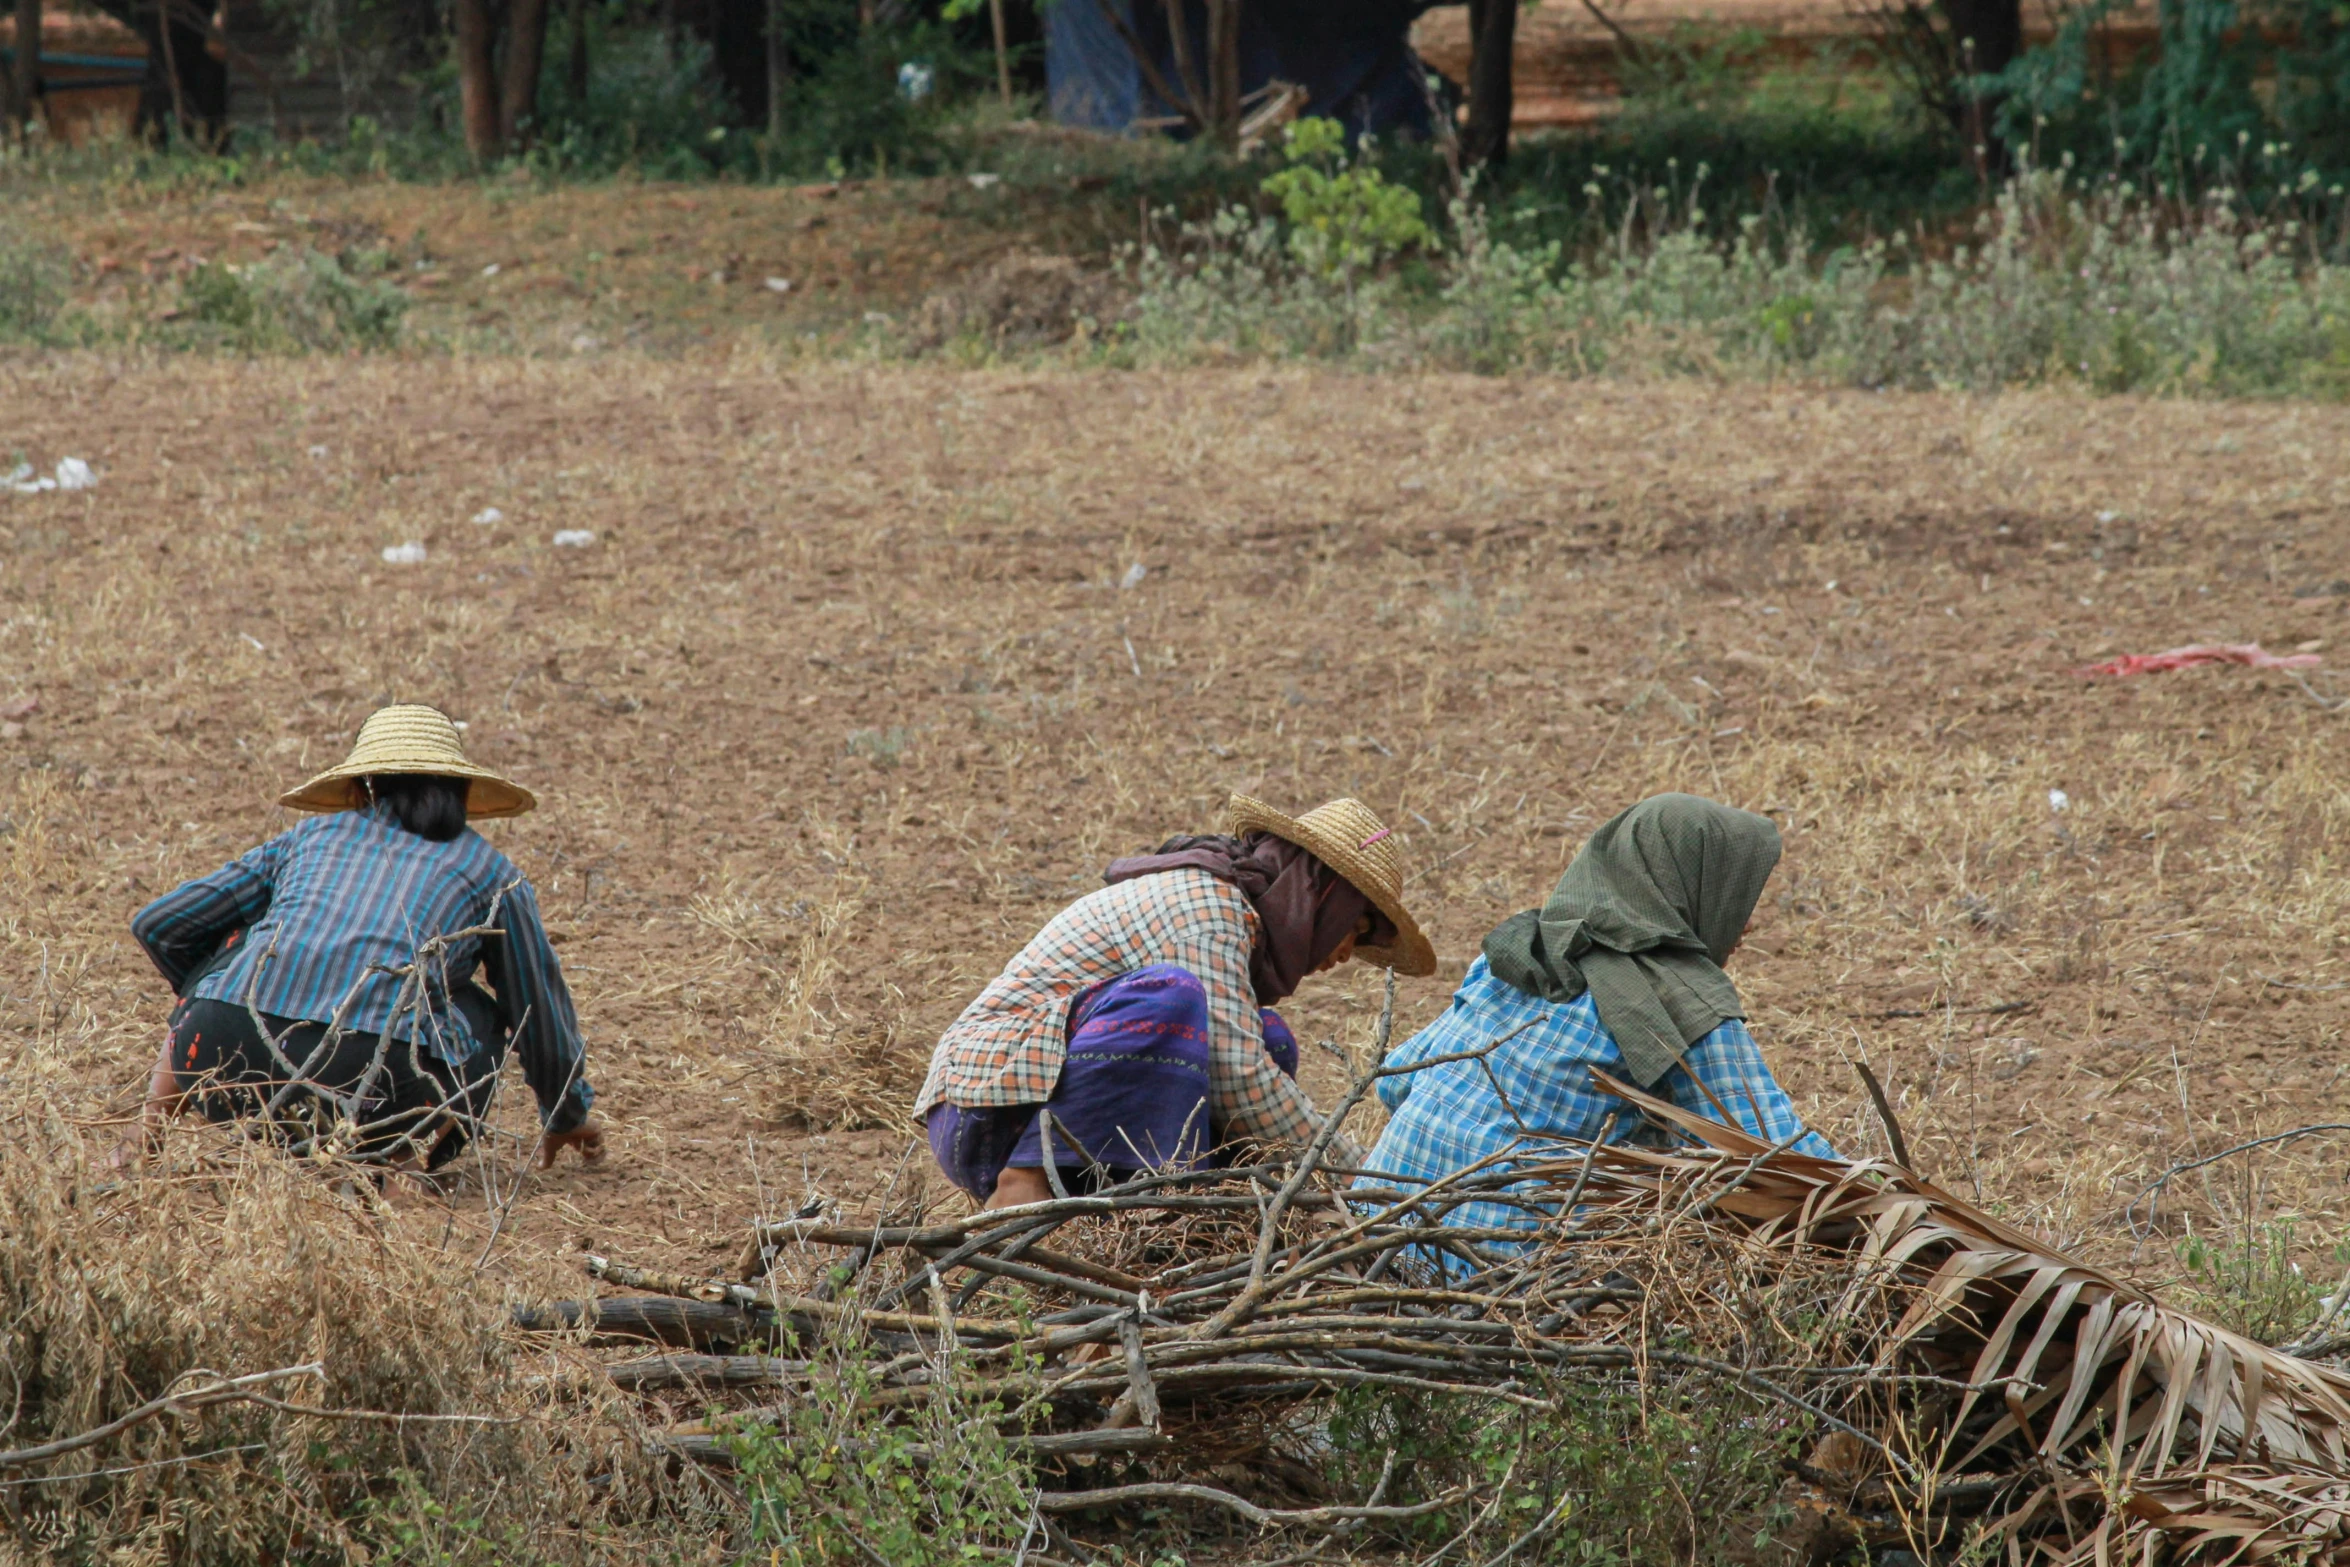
(488, 515)
(408, 554)
(779, 285)
(491, 270)
(983, 181)
(72, 474)
(318, 452)
(2058, 800)
(1134, 575)
(574, 539)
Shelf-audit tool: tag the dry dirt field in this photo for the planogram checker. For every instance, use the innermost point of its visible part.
(856, 685)
(584, 268)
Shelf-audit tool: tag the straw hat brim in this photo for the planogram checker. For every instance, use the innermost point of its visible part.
(339, 789)
(1411, 953)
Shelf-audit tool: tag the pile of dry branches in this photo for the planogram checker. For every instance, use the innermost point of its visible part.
(1964, 1379)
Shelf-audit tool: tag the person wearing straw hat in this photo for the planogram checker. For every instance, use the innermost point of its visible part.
(1135, 1031)
(327, 978)
(1621, 970)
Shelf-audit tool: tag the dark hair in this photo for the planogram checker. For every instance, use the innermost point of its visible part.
(427, 804)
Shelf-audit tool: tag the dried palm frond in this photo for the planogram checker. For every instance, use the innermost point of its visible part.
(1985, 1379)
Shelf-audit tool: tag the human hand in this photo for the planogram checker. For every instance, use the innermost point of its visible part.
(587, 1137)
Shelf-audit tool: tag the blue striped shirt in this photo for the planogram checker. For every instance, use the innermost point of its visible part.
(1537, 1085)
(325, 908)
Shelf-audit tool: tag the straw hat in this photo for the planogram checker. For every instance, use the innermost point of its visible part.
(1345, 836)
(408, 737)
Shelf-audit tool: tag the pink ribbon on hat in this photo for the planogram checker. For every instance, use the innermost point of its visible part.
(1375, 837)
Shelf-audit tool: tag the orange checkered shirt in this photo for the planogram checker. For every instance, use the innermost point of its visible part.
(1008, 1047)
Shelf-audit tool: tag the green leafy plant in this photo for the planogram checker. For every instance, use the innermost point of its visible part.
(407, 1525)
(1601, 1476)
(2251, 1283)
(1344, 216)
(833, 1479)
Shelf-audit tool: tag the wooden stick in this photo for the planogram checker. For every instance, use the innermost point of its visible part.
(232, 1390)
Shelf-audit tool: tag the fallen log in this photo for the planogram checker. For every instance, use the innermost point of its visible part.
(659, 1373)
(687, 1324)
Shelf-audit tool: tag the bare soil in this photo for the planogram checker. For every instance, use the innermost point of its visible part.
(847, 697)
(585, 270)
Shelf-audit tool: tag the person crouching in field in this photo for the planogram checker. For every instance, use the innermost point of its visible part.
(1132, 1033)
(327, 977)
(1620, 970)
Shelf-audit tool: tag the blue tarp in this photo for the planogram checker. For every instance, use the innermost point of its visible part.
(1353, 57)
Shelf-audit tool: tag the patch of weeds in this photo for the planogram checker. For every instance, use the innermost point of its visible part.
(832, 1479)
(883, 747)
(410, 1526)
(1601, 1476)
(2252, 1285)
(33, 281)
(1464, 613)
(2060, 282)
(296, 300)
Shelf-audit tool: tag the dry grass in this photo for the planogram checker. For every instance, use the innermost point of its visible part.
(226, 1261)
(846, 699)
(583, 269)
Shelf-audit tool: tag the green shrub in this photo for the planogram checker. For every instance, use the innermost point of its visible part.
(847, 114)
(2250, 95)
(653, 104)
(1344, 217)
(2252, 1284)
(830, 1480)
(2056, 283)
(1602, 1476)
(297, 299)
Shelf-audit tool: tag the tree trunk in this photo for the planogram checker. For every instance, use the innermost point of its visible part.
(185, 89)
(576, 77)
(1493, 34)
(526, 47)
(477, 81)
(778, 69)
(25, 74)
(1003, 52)
(171, 73)
(1989, 35)
(1224, 70)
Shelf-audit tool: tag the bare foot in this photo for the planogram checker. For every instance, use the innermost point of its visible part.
(1017, 1185)
(587, 1137)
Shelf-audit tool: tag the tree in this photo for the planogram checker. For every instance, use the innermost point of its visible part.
(1493, 37)
(185, 93)
(1947, 50)
(498, 77)
(22, 98)
(1209, 103)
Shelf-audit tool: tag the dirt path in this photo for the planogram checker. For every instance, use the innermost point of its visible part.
(846, 697)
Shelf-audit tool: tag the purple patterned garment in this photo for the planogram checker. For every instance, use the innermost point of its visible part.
(1133, 1095)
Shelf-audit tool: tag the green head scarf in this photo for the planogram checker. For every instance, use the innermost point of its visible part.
(1644, 919)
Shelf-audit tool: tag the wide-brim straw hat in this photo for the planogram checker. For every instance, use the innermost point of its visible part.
(408, 737)
(1348, 838)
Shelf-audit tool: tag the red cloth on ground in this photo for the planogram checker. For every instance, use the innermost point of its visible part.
(2251, 654)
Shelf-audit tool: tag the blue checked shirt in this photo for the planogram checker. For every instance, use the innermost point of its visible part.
(1449, 1117)
(315, 913)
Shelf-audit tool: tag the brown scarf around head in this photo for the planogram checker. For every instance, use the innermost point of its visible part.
(1304, 907)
